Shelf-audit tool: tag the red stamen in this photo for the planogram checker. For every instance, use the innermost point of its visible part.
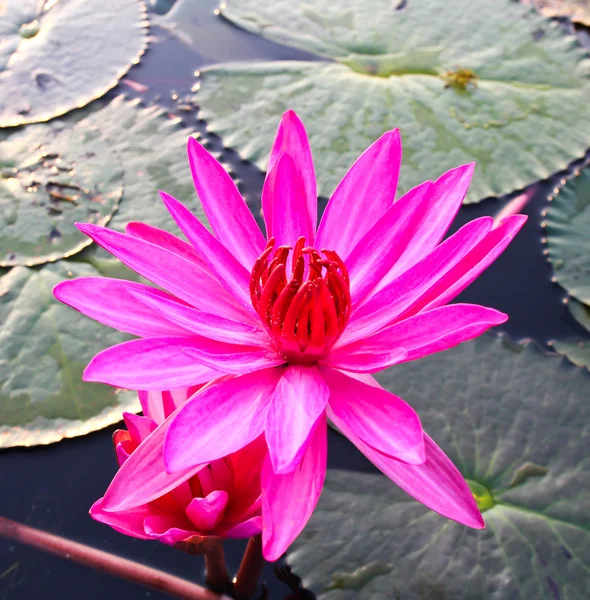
(306, 314)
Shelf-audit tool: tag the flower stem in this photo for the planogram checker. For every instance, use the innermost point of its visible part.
(250, 570)
(104, 561)
(217, 575)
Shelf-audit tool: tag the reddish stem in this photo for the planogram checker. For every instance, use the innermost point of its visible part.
(103, 561)
(217, 575)
(250, 569)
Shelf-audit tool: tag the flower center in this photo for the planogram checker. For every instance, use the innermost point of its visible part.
(303, 298)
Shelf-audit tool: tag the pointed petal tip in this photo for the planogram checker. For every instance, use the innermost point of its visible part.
(515, 221)
(290, 114)
(88, 228)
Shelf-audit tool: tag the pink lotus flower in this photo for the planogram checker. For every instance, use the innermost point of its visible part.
(298, 320)
(220, 500)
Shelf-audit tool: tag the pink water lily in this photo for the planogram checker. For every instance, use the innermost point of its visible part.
(212, 502)
(298, 321)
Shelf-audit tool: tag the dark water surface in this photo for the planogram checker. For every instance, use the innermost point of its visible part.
(52, 487)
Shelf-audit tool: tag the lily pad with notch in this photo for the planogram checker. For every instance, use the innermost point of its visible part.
(567, 234)
(515, 422)
(491, 82)
(44, 348)
(59, 55)
(576, 349)
(151, 145)
(52, 176)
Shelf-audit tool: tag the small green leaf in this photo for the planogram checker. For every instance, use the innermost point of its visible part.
(53, 175)
(568, 235)
(59, 55)
(44, 348)
(514, 421)
(486, 81)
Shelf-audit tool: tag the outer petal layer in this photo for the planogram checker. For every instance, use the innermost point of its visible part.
(223, 418)
(299, 400)
(150, 364)
(187, 318)
(436, 483)
(290, 216)
(289, 500)
(291, 139)
(165, 240)
(406, 232)
(180, 276)
(380, 419)
(111, 301)
(387, 305)
(363, 195)
(230, 217)
(420, 335)
(229, 271)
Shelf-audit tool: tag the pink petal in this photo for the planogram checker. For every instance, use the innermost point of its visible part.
(290, 214)
(128, 522)
(436, 483)
(139, 427)
(353, 358)
(111, 301)
(181, 277)
(168, 529)
(425, 333)
(246, 529)
(150, 364)
(159, 405)
(143, 477)
(206, 513)
(291, 139)
(230, 272)
(407, 232)
(479, 259)
(165, 240)
(223, 418)
(386, 305)
(235, 360)
(298, 402)
(376, 416)
(231, 219)
(289, 500)
(201, 323)
(361, 198)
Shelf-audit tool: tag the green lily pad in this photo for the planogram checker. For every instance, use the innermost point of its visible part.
(576, 349)
(44, 348)
(152, 149)
(487, 81)
(514, 421)
(577, 10)
(59, 55)
(52, 176)
(568, 234)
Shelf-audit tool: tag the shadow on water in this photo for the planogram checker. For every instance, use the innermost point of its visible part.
(53, 487)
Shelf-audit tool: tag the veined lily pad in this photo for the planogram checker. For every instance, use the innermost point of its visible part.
(514, 421)
(486, 81)
(577, 10)
(53, 175)
(152, 149)
(576, 349)
(44, 348)
(57, 55)
(568, 234)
